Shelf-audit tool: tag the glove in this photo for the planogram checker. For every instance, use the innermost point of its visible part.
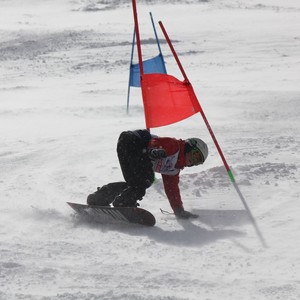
(180, 213)
(157, 153)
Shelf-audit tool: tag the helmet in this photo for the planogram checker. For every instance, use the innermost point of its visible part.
(195, 144)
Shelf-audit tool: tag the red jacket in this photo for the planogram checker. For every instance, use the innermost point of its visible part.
(170, 167)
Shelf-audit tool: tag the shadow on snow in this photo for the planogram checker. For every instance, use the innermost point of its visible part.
(208, 228)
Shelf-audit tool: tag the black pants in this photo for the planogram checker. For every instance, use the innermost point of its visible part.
(136, 168)
(134, 161)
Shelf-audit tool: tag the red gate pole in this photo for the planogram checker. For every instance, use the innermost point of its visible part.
(138, 40)
(229, 172)
(139, 48)
(201, 110)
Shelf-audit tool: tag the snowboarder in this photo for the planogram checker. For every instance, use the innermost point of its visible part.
(140, 155)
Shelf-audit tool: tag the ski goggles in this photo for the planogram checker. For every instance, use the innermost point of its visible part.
(196, 157)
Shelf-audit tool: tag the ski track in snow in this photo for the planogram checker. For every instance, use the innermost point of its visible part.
(64, 75)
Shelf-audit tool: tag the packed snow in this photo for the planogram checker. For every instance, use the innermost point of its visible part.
(64, 77)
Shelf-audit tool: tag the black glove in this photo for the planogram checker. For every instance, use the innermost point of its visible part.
(180, 213)
(157, 153)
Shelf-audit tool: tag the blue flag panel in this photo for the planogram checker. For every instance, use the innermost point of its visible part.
(152, 65)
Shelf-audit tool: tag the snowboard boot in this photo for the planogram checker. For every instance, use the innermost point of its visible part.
(129, 197)
(120, 201)
(99, 197)
(105, 195)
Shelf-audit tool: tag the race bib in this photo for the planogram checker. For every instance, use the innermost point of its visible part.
(166, 165)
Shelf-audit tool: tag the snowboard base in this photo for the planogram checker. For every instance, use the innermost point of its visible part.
(114, 215)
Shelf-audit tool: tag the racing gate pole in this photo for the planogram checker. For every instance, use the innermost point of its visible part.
(229, 172)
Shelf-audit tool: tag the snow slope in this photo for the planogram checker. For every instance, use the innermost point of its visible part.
(64, 75)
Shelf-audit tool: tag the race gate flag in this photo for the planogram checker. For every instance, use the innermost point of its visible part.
(155, 64)
(167, 100)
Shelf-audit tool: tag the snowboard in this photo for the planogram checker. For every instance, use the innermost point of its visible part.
(114, 215)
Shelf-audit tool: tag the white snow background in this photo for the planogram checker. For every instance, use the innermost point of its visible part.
(63, 89)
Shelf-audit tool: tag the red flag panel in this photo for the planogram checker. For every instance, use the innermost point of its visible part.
(167, 100)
